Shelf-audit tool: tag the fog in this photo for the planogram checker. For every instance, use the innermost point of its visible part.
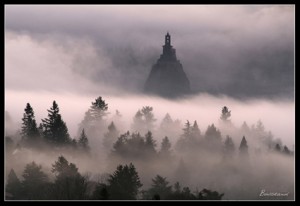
(217, 174)
(206, 109)
(250, 48)
(241, 57)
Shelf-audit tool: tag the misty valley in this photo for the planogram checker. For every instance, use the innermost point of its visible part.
(142, 158)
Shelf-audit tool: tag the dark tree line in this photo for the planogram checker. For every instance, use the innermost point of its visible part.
(123, 184)
(133, 146)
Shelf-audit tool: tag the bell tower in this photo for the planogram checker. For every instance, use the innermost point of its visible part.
(168, 39)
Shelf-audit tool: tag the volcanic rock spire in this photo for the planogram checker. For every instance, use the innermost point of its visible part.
(167, 77)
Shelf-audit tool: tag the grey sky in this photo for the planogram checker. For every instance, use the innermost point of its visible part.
(239, 51)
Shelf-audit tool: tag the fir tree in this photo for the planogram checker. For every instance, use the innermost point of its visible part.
(243, 147)
(111, 136)
(213, 134)
(167, 122)
(245, 128)
(143, 120)
(160, 186)
(29, 132)
(149, 117)
(101, 192)
(98, 109)
(69, 183)
(187, 130)
(138, 122)
(94, 118)
(229, 146)
(195, 131)
(124, 183)
(150, 145)
(13, 186)
(83, 142)
(34, 182)
(54, 128)
(165, 147)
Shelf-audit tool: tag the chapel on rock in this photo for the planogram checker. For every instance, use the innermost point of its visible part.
(167, 77)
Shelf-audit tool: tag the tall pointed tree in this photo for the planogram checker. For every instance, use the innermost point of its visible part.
(13, 185)
(195, 131)
(160, 186)
(150, 144)
(94, 118)
(138, 122)
(69, 183)
(187, 130)
(83, 142)
(124, 183)
(54, 128)
(29, 132)
(243, 147)
(167, 122)
(111, 136)
(143, 120)
(213, 134)
(99, 109)
(147, 112)
(229, 146)
(34, 182)
(165, 147)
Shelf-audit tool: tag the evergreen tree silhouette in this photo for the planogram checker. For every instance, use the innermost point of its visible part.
(34, 183)
(83, 142)
(101, 192)
(94, 118)
(69, 183)
(165, 151)
(124, 183)
(111, 136)
(98, 109)
(160, 186)
(212, 134)
(54, 128)
(29, 132)
(195, 131)
(13, 186)
(143, 120)
(243, 147)
(229, 147)
(150, 145)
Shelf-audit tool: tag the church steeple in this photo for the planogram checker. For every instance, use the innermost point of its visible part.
(168, 39)
(169, 52)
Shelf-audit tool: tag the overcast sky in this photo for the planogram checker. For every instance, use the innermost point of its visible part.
(73, 54)
(239, 51)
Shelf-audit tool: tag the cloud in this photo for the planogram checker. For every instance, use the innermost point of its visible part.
(240, 51)
(204, 108)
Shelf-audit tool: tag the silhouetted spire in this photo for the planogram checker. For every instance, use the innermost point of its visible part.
(167, 77)
(168, 39)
